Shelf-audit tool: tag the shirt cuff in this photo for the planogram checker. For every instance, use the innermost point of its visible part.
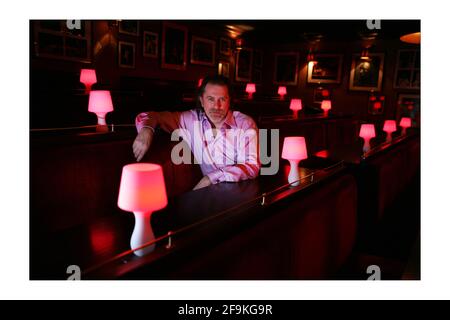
(216, 176)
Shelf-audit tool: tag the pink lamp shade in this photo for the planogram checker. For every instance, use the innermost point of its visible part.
(88, 77)
(250, 88)
(367, 131)
(390, 126)
(142, 191)
(405, 122)
(296, 104)
(282, 91)
(142, 188)
(200, 81)
(326, 105)
(294, 148)
(100, 101)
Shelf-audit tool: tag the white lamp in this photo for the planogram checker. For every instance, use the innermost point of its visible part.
(142, 191)
(294, 150)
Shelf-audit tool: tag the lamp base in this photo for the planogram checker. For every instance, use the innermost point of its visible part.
(294, 175)
(142, 234)
(366, 147)
(389, 137)
(101, 119)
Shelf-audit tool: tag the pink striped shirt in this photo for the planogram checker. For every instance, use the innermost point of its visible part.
(231, 155)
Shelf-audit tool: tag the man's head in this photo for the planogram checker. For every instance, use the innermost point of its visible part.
(214, 97)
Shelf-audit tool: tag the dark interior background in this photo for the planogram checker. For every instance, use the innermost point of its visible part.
(57, 98)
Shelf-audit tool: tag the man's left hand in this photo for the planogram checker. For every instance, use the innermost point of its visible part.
(204, 182)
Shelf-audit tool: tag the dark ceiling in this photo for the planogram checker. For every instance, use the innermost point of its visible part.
(288, 31)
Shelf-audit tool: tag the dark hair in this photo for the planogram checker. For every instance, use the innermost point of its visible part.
(214, 79)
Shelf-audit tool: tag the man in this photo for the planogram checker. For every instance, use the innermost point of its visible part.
(224, 142)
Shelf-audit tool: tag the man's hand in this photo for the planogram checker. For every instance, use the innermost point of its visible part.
(142, 143)
(204, 182)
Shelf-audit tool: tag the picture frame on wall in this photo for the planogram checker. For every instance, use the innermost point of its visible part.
(286, 68)
(203, 51)
(367, 75)
(174, 46)
(407, 70)
(258, 59)
(225, 46)
(127, 54)
(257, 76)
(244, 60)
(130, 27)
(223, 69)
(54, 40)
(408, 105)
(326, 69)
(150, 44)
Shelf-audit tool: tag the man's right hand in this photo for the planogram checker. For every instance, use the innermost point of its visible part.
(142, 143)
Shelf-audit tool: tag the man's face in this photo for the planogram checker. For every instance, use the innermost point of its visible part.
(216, 102)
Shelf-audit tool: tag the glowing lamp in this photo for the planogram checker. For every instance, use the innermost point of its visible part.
(100, 103)
(88, 78)
(200, 81)
(367, 132)
(389, 127)
(405, 123)
(142, 191)
(282, 92)
(250, 88)
(326, 106)
(295, 106)
(294, 150)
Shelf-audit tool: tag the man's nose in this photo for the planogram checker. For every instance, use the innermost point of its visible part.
(218, 104)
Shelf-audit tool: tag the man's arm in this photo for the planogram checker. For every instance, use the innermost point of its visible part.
(146, 124)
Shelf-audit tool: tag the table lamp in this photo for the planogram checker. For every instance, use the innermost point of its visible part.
(295, 106)
(294, 150)
(142, 191)
(367, 132)
(250, 88)
(389, 127)
(88, 77)
(100, 103)
(282, 92)
(405, 123)
(326, 106)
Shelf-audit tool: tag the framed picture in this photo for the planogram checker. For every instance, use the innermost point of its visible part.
(203, 51)
(257, 76)
(174, 46)
(367, 75)
(286, 67)
(126, 54)
(407, 70)
(224, 69)
(327, 69)
(258, 59)
(150, 44)
(53, 39)
(409, 106)
(244, 59)
(321, 94)
(130, 27)
(376, 104)
(225, 46)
